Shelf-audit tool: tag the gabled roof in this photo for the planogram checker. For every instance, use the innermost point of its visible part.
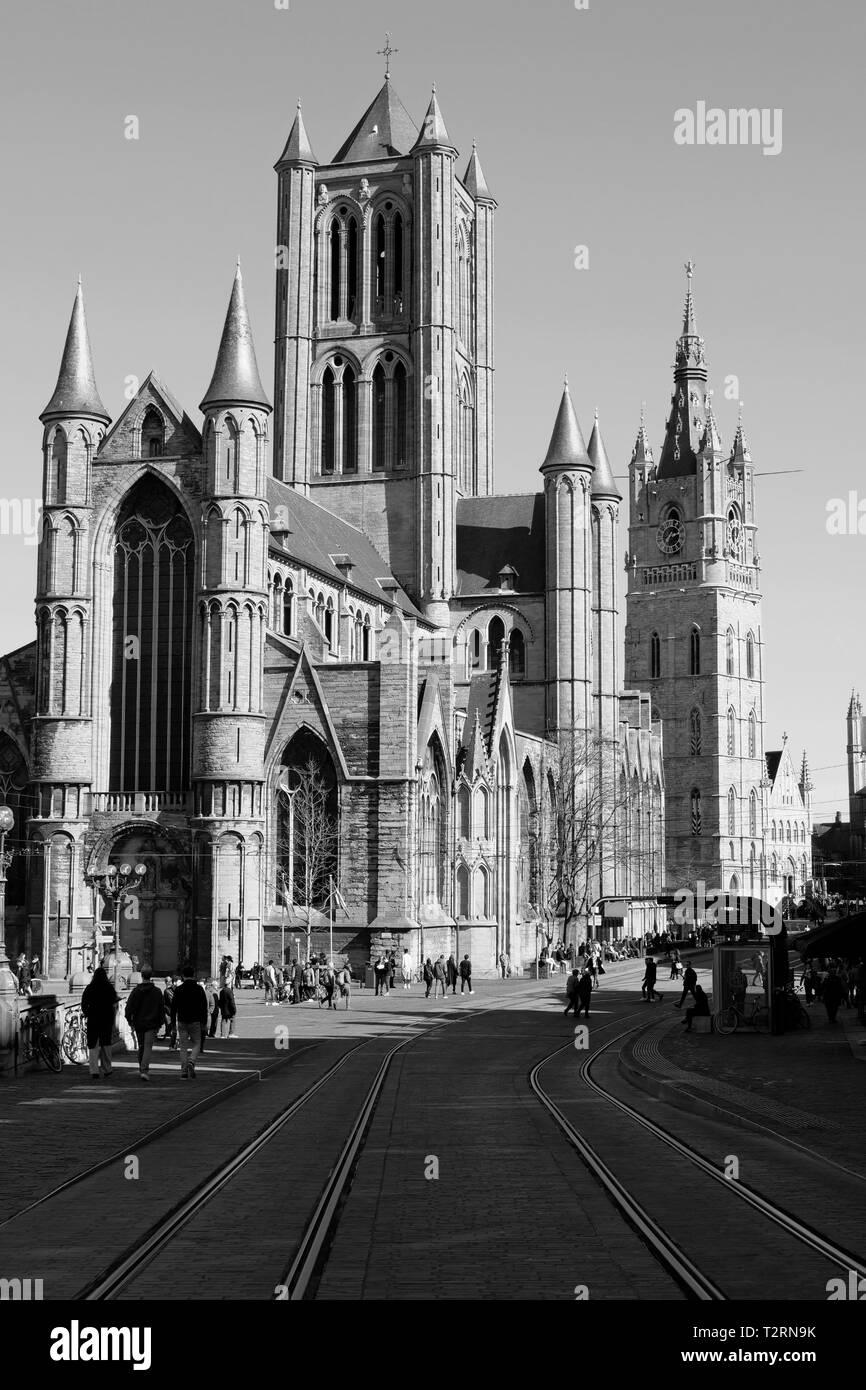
(312, 535)
(182, 438)
(494, 532)
(773, 760)
(75, 392)
(384, 130)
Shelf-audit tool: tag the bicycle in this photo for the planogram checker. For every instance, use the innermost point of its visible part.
(728, 1020)
(73, 1043)
(37, 1046)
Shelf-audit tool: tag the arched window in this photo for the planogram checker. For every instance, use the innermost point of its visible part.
(464, 812)
(463, 900)
(465, 440)
(351, 268)
(380, 419)
(400, 434)
(694, 652)
(57, 468)
(697, 825)
(350, 424)
(380, 264)
(329, 620)
(655, 657)
(735, 533)
(357, 637)
(772, 831)
(288, 608)
(307, 815)
(483, 822)
(276, 602)
(753, 813)
(335, 269)
(517, 655)
(729, 651)
(788, 831)
(695, 733)
(495, 638)
(732, 812)
(366, 640)
(230, 445)
(152, 435)
(753, 734)
(473, 652)
(774, 868)
(329, 415)
(397, 236)
(431, 824)
(750, 656)
(482, 892)
(732, 733)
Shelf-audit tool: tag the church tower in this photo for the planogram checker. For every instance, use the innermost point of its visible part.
(694, 630)
(384, 336)
(229, 722)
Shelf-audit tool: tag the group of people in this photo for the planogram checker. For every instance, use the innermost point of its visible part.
(297, 981)
(26, 971)
(181, 1011)
(836, 983)
(441, 973)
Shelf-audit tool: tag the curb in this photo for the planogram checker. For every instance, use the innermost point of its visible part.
(669, 1092)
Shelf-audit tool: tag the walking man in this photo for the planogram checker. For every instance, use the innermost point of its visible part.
(428, 976)
(144, 1014)
(189, 1021)
(571, 990)
(270, 984)
(406, 968)
(465, 974)
(583, 994)
(502, 964)
(439, 977)
(648, 988)
(690, 979)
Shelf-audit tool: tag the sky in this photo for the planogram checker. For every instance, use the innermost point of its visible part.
(574, 114)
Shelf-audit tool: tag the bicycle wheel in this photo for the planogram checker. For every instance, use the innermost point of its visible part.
(48, 1050)
(74, 1044)
(726, 1020)
(761, 1019)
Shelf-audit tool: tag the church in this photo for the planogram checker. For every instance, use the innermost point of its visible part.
(323, 591)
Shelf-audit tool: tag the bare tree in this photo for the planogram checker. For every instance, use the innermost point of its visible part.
(307, 845)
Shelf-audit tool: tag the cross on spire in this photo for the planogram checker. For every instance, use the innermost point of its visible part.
(387, 53)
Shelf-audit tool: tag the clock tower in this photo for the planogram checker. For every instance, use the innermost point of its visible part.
(694, 634)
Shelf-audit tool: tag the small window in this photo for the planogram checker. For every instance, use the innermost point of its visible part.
(655, 657)
(152, 435)
(732, 812)
(696, 812)
(695, 733)
(694, 652)
(753, 734)
(750, 657)
(517, 655)
(729, 651)
(732, 733)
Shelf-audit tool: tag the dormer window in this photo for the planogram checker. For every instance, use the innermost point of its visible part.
(508, 577)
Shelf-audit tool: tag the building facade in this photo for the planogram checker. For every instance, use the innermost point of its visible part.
(332, 591)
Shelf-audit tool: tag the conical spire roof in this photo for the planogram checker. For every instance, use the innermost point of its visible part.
(474, 181)
(433, 133)
(236, 379)
(603, 484)
(298, 148)
(386, 128)
(686, 426)
(567, 448)
(75, 392)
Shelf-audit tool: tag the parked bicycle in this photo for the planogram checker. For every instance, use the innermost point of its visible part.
(73, 1043)
(729, 1020)
(36, 1044)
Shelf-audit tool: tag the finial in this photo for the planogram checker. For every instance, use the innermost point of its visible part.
(434, 89)
(690, 268)
(387, 52)
(596, 414)
(565, 382)
(79, 279)
(239, 263)
(642, 414)
(740, 412)
(299, 103)
(474, 144)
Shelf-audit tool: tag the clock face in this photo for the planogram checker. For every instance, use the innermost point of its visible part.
(735, 537)
(670, 536)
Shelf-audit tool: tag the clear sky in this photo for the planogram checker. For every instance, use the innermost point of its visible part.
(573, 111)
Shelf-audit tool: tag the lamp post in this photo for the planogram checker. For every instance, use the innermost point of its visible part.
(8, 981)
(115, 884)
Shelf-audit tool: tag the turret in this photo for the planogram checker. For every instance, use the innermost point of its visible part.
(295, 307)
(567, 472)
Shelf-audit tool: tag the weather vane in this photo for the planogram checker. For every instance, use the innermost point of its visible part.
(386, 53)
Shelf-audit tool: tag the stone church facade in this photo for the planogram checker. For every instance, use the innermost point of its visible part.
(331, 582)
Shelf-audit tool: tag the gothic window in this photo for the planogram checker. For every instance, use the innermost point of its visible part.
(357, 637)
(57, 468)
(696, 812)
(753, 813)
(350, 431)
(772, 831)
(349, 306)
(732, 812)
(397, 235)
(230, 445)
(750, 657)
(464, 289)
(788, 831)
(276, 602)
(307, 820)
(484, 812)
(732, 733)
(729, 651)
(151, 642)
(343, 244)
(774, 868)
(463, 902)
(753, 734)
(694, 652)
(495, 638)
(695, 734)
(655, 657)
(432, 856)
(400, 416)
(380, 264)
(380, 419)
(367, 640)
(335, 269)
(464, 812)
(319, 610)
(288, 606)
(517, 655)
(473, 652)
(329, 412)
(329, 620)
(152, 435)
(465, 439)
(482, 893)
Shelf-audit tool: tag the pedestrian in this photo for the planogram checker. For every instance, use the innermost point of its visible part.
(35, 968)
(270, 984)
(690, 979)
(451, 973)
(700, 1009)
(99, 1005)
(648, 988)
(189, 1021)
(406, 968)
(144, 1013)
(428, 976)
(167, 993)
(571, 990)
(808, 982)
(228, 1010)
(439, 977)
(329, 980)
(675, 964)
(380, 971)
(344, 980)
(392, 970)
(502, 963)
(592, 967)
(297, 979)
(23, 968)
(584, 994)
(832, 995)
(214, 993)
(465, 974)
(759, 969)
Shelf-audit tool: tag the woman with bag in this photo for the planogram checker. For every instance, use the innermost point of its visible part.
(98, 1005)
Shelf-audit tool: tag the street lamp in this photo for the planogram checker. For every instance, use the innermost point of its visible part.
(115, 884)
(8, 982)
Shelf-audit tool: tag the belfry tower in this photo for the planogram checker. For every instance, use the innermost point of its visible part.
(694, 631)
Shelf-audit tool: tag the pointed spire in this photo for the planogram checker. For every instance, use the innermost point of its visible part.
(686, 426)
(689, 325)
(603, 484)
(642, 451)
(567, 448)
(474, 181)
(854, 704)
(711, 440)
(75, 392)
(433, 133)
(740, 448)
(385, 129)
(298, 148)
(236, 378)
(805, 774)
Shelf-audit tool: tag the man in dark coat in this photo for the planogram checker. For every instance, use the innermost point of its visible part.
(648, 987)
(189, 1010)
(451, 973)
(439, 977)
(583, 994)
(690, 979)
(465, 974)
(144, 1014)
